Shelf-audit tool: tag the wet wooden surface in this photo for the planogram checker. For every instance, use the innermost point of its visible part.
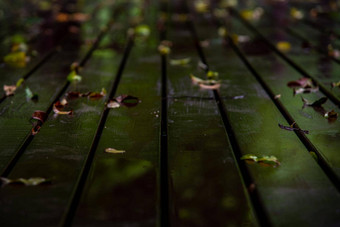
(183, 145)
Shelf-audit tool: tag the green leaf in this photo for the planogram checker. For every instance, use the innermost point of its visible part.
(212, 75)
(30, 95)
(249, 157)
(114, 151)
(19, 82)
(182, 62)
(73, 77)
(142, 31)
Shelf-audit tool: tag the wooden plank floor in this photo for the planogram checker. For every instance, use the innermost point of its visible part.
(182, 143)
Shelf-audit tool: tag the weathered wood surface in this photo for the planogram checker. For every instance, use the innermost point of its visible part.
(183, 144)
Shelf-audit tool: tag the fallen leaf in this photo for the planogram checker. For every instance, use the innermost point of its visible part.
(335, 84)
(16, 59)
(30, 95)
(164, 47)
(212, 75)
(9, 89)
(302, 82)
(127, 100)
(269, 160)
(19, 82)
(182, 61)
(57, 109)
(331, 115)
(113, 104)
(283, 46)
(264, 160)
(290, 128)
(305, 90)
(34, 181)
(73, 77)
(296, 14)
(239, 97)
(141, 31)
(277, 96)
(250, 157)
(114, 151)
(222, 32)
(39, 115)
(201, 6)
(205, 84)
(35, 130)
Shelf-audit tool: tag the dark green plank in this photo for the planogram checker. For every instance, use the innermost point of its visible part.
(290, 192)
(121, 189)
(16, 111)
(57, 152)
(323, 135)
(205, 185)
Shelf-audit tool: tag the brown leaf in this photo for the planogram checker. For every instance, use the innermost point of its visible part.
(302, 82)
(40, 116)
(9, 89)
(291, 128)
(57, 108)
(127, 100)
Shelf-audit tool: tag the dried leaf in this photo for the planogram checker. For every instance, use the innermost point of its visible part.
(302, 82)
(57, 109)
(182, 62)
(164, 47)
(113, 104)
(266, 160)
(9, 89)
(335, 84)
(331, 115)
(269, 160)
(205, 84)
(250, 157)
(305, 90)
(290, 128)
(34, 181)
(73, 77)
(127, 100)
(210, 87)
(296, 14)
(39, 115)
(35, 130)
(114, 151)
(277, 96)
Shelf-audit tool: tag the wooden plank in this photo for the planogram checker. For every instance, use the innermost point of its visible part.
(275, 35)
(57, 152)
(122, 189)
(254, 119)
(201, 163)
(322, 130)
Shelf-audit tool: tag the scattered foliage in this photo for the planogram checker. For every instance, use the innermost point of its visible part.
(58, 108)
(283, 46)
(34, 181)
(39, 115)
(331, 115)
(9, 89)
(73, 76)
(182, 61)
(335, 84)
(164, 47)
(292, 128)
(264, 160)
(205, 84)
(114, 151)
